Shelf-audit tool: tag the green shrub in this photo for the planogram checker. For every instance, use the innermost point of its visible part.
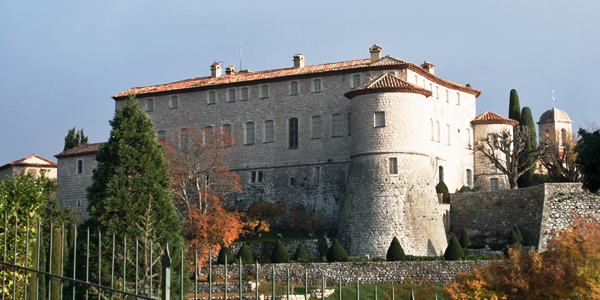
(441, 188)
(464, 239)
(467, 252)
(336, 252)
(454, 250)
(301, 254)
(280, 254)
(221, 256)
(377, 259)
(245, 255)
(513, 238)
(518, 233)
(356, 259)
(395, 251)
(465, 189)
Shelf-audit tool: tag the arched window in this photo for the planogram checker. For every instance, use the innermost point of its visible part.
(448, 133)
(563, 137)
(294, 88)
(317, 85)
(437, 92)
(316, 127)
(416, 80)
(336, 125)
(468, 137)
(447, 96)
(441, 173)
(269, 131)
(249, 133)
(293, 132)
(457, 98)
(432, 130)
(438, 131)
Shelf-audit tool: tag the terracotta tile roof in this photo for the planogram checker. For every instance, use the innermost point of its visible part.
(81, 150)
(387, 83)
(493, 118)
(23, 163)
(246, 77)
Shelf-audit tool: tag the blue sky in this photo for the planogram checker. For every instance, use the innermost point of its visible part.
(61, 61)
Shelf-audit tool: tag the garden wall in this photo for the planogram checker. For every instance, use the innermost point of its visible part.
(263, 249)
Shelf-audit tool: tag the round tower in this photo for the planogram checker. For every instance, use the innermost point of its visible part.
(390, 191)
(487, 176)
(557, 123)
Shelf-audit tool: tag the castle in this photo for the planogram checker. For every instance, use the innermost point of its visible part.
(363, 143)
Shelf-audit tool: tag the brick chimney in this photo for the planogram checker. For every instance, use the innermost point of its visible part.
(375, 53)
(429, 67)
(215, 70)
(230, 70)
(298, 61)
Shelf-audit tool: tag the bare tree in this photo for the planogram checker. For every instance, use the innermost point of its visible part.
(560, 158)
(507, 151)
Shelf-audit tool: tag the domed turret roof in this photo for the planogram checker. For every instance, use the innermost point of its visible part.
(553, 115)
(493, 118)
(387, 83)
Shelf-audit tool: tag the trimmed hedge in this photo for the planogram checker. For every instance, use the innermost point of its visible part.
(280, 254)
(454, 250)
(442, 188)
(336, 252)
(464, 239)
(221, 257)
(301, 254)
(245, 255)
(395, 251)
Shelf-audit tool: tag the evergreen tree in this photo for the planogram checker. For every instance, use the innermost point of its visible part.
(513, 238)
(245, 255)
(336, 252)
(395, 251)
(588, 159)
(129, 197)
(75, 138)
(442, 188)
(454, 250)
(526, 121)
(221, 257)
(280, 254)
(514, 108)
(464, 239)
(518, 233)
(301, 254)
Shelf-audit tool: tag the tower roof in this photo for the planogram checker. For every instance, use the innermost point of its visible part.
(81, 150)
(493, 118)
(387, 83)
(554, 115)
(30, 161)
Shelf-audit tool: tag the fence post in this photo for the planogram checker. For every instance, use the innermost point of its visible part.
(210, 275)
(240, 278)
(256, 288)
(357, 290)
(166, 275)
(305, 284)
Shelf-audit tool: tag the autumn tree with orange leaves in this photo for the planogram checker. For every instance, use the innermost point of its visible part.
(201, 182)
(569, 269)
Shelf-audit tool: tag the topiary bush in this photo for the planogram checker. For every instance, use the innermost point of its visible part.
(465, 189)
(513, 238)
(245, 255)
(221, 256)
(454, 250)
(518, 233)
(395, 251)
(441, 188)
(301, 254)
(464, 239)
(336, 252)
(280, 254)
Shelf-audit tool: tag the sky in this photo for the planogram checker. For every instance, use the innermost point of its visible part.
(62, 61)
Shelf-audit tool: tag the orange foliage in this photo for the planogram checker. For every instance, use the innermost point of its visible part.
(568, 270)
(200, 182)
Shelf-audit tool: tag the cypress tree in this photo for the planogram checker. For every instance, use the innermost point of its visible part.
(454, 250)
(129, 195)
(464, 239)
(336, 252)
(518, 233)
(513, 238)
(301, 254)
(74, 138)
(526, 121)
(514, 108)
(221, 256)
(245, 255)
(280, 254)
(395, 251)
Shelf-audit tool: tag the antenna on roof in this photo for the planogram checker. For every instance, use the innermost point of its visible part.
(553, 99)
(240, 55)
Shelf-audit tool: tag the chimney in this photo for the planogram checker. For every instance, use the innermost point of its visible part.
(375, 53)
(429, 67)
(298, 61)
(215, 70)
(230, 70)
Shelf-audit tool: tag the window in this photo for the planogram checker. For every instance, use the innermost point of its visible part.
(447, 96)
(183, 139)
(79, 166)
(563, 137)
(438, 131)
(208, 132)
(316, 127)
(448, 132)
(349, 124)
(227, 130)
(356, 81)
(317, 175)
(293, 131)
(494, 185)
(292, 181)
(431, 87)
(441, 173)
(437, 92)
(469, 178)
(423, 83)
(249, 133)
(256, 176)
(393, 165)
(212, 97)
(336, 125)
(160, 134)
(244, 94)
(468, 137)
(416, 80)
(492, 140)
(78, 202)
(294, 88)
(457, 98)
(380, 119)
(317, 85)
(150, 105)
(432, 130)
(231, 95)
(269, 132)
(264, 91)
(174, 102)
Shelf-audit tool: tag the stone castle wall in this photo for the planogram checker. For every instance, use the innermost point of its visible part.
(72, 192)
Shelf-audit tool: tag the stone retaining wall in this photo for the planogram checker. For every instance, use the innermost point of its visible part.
(263, 249)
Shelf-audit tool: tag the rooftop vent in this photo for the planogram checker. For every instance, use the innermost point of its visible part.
(429, 67)
(298, 61)
(230, 70)
(375, 53)
(215, 70)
